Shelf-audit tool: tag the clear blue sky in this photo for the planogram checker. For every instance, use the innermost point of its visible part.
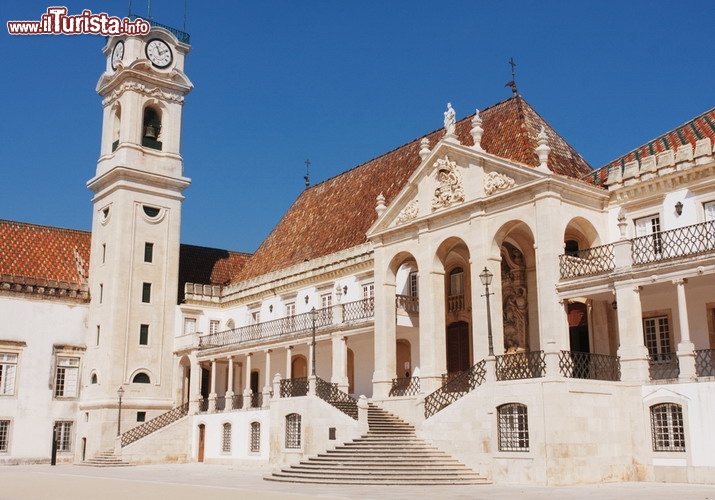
(341, 82)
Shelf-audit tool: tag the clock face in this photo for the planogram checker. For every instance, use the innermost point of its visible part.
(117, 53)
(159, 53)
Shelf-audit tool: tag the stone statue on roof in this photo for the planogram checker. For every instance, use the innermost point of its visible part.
(450, 119)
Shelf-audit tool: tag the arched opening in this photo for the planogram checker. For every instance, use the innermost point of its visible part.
(93, 378)
(151, 128)
(141, 378)
(299, 366)
(458, 347)
(116, 126)
(514, 294)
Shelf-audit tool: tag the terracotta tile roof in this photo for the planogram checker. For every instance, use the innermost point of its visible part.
(44, 252)
(336, 214)
(208, 266)
(700, 127)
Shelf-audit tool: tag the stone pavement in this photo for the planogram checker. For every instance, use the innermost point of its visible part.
(219, 482)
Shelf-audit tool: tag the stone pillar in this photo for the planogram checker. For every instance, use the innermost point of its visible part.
(195, 387)
(311, 353)
(686, 349)
(340, 362)
(433, 351)
(229, 385)
(632, 351)
(289, 358)
(212, 394)
(277, 386)
(267, 385)
(385, 338)
(247, 383)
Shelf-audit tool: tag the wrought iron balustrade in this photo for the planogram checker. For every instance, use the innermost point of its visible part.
(408, 303)
(455, 388)
(220, 403)
(455, 303)
(591, 366)
(182, 36)
(294, 387)
(154, 424)
(330, 393)
(237, 401)
(203, 405)
(595, 260)
(520, 365)
(674, 243)
(256, 400)
(705, 362)
(664, 365)
(405, 386)
(360, 309)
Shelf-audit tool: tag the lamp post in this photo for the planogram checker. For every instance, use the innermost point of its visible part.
(313, 316)
(486, 278)
(120, 393)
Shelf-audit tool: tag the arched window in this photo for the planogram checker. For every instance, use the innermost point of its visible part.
(226, 438)
(571, 247)
(255, 437)
(513, 427)
(141, 378)
(667, 428)
(293, 431)
(152, 128)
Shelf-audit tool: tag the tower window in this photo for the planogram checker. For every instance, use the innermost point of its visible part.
(143, 334)
(151, 211)
(141, 378)
(148, 252)
(146, 293)
(152, 129)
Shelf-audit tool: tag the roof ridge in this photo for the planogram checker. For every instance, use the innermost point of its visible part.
(45, 226)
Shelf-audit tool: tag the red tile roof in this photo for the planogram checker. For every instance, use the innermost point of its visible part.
(700, 127)
(208, 266)
(335, 214)
(44, 252)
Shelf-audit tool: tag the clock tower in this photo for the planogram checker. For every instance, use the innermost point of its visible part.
(135, 237)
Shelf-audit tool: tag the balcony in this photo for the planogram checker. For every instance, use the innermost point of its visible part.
(697, 239)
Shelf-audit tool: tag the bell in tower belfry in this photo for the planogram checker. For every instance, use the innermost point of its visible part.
(152, 128)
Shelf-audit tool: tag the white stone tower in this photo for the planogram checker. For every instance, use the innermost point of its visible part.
(135, 237)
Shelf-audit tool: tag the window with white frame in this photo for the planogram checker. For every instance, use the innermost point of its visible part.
(66, 377)
(513, 427)
(4, 436)
(63, 436)
(656, 333)
(189, 326)
(290, 309)
(8, 369)
(667, 427)
(709, 208)
(255, 437)
(368, 291)
(456, 281)
(412, 285)
(293, 431)
(326, 300)
(650, 226)
(214, 326)
(226, 438)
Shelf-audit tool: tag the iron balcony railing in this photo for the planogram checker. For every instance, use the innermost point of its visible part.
(663, 366)
(256, 400)
(154, 424)
(237, 401)
(360, 309)
(594, 260)
(330, 393)
(675, 243)
(455, 388)
(520, 365)
(405, 386)
(591, 366)
(220, 403)
(705, 362)
(408, 303)
(182, 36)
(203, 405)
(294, 387)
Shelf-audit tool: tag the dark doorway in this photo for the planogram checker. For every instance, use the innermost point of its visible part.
(578, 327)
(202, 438)
(205, 380)
(458, 350)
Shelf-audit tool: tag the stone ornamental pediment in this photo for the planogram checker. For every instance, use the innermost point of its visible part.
(495, 181)
(408, 213)
(449, 190)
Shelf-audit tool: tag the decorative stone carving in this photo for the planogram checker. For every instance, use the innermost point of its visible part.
(450, 120)
(515, 307)
(408, 213)
(380, 207)
(156, 92)
(450, 190)
(495, 181)
(543, 150)
(424, 148)
(477, 131)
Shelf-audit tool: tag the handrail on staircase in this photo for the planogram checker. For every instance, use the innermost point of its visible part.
(154, 424)
(455, 388)
(331, 394)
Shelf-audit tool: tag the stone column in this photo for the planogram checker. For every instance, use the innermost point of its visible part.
(310, 359)
(686, 349)
(267, 387)
(632, 351)
(289, 358)
(195, 387)
(229, 385)
(212, 394)
(247, 383)
(385, 338)
(340, 362)
(433, 349)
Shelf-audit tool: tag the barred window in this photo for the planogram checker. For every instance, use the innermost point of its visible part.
(255, 437)
(63, 436)
(293, 430)
(8, 368)
(667, 427)
(66, 377)
(226, 438)
(4, 435)
(513, 427)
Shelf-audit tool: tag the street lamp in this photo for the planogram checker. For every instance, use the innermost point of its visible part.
(120, 393)
(486, 278)
(313, 316)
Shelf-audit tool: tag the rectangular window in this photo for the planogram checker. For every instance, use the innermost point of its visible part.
(709, 208)
(255, 437)
(368, 291)
(66, 377)
(226, 438)
(255, 317)
(104, 253)
(143, 334)
(414, 290)
(656, 333)
(326, 300)
(8, 369)
(189, 326)
(141, 416)
(290, 309)
(513, 427)
(650, 226)
(101, 292)
(4, 436)
(97, 335)
(146, 293)
(214, 326)
(293, 422)
(63, 435)
(148, 252)
(667, 427)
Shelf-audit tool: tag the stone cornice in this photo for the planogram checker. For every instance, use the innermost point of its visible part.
(45, 289)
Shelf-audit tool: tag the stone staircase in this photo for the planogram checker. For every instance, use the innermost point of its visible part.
(105, 459)
(389, 454)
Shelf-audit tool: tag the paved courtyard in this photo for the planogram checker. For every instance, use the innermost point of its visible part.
(218, 482)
